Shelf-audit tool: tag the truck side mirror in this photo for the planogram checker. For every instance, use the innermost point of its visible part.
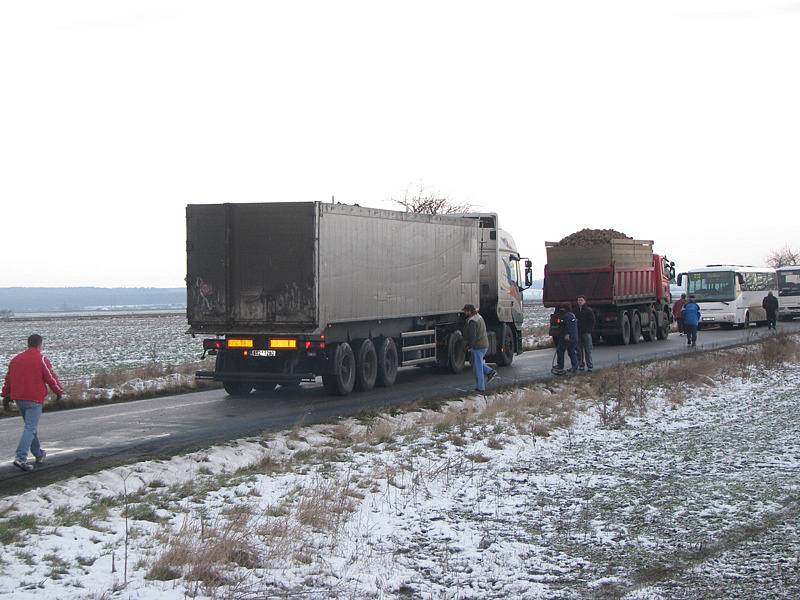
(528, 274)
(680, 278)
(740, 278)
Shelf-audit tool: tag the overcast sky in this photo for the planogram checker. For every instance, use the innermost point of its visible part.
(677, 121)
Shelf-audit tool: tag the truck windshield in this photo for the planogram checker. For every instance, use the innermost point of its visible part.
(789, 283)
(712, 286)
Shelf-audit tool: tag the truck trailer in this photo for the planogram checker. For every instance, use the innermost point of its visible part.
(623, 281)
(293, 291)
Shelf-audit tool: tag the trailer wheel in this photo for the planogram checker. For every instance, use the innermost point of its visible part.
(505, 353)
(650, 333)
(456, 352)
(663, 328)
(366, 366)
(237, 388)
(387, 362)
(625, 338)
(339, 381)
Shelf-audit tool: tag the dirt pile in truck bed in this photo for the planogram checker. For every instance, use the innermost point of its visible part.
(592, 237)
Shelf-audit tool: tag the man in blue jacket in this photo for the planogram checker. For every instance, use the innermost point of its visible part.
(691, 319)
(567, 341)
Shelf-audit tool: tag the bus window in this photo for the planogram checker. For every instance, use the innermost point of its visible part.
(712, 286)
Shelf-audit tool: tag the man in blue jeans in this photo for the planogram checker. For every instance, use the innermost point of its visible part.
(691, 320)
(28, 377)
(477, 343)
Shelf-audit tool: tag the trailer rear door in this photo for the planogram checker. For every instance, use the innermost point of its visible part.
(251, 265)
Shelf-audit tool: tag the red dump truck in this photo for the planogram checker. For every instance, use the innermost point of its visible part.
(623, 281)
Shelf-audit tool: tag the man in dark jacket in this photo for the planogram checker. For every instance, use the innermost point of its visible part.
(677, 314)
(567, 341)
(586, 323)
(29, 375)
(477, 342)
(770, 304)
(691, 320)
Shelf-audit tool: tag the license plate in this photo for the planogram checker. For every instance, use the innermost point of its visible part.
(263, 353)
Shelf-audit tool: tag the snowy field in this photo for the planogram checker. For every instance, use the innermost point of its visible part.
(689, 491)
(79, 347)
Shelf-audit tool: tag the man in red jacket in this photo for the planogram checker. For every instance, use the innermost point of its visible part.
(29, 375)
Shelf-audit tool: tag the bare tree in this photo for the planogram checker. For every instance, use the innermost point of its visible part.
(430, 203)
(783, 257)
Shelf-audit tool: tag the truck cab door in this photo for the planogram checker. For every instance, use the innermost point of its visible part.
(509, 306)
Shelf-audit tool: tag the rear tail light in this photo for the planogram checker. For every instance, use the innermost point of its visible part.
(212, 344)
(314, 344)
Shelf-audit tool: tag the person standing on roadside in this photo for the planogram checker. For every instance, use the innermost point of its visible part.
(677, 314)
(477, 343)
(770, 304)
(691, 320)
(567, 341)
(28, 377)
(586, 324)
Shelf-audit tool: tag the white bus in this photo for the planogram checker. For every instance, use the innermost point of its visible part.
(789, 292)
(731, 295)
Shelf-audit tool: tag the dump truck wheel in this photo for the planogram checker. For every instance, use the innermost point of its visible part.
(651, 331)
(625, 338)
(366, 366)
(456, 352)
(386, 352)
(662, 332)
(636, 328)
(341, 378)
(237, 388)
(505, 353)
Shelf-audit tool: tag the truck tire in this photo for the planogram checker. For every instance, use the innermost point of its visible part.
(341, 377)
(456, 352)
(237, 388)
(650, 333)
(386, 352)
(636, 327)
(663, 327)
(625, 325)
(366, 366)
(505, 353)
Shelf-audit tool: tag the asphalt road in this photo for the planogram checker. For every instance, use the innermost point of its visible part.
(89, 439)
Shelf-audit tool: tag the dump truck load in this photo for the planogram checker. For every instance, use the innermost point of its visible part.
(592, 237)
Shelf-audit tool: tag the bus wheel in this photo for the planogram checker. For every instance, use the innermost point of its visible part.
(366, 366)
(387, 362)
(341, 377)
(505, 354)
(625, 338)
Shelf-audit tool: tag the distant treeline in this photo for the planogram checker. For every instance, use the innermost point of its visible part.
(21, 299)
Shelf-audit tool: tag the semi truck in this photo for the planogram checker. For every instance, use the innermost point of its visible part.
(623, 281)
(291, 291)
